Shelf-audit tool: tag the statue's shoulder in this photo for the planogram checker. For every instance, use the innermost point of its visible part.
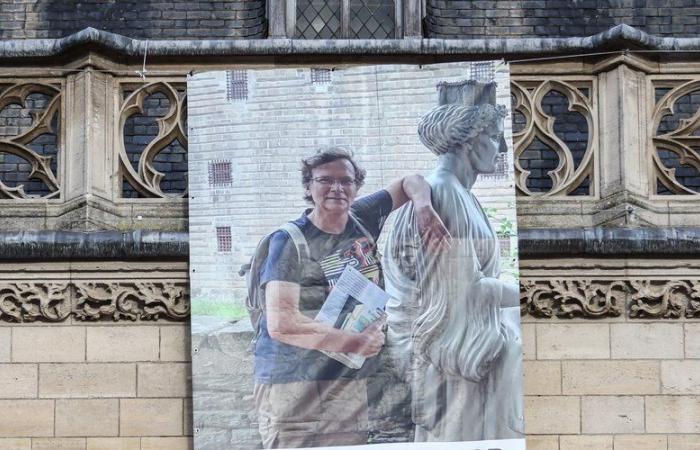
(444, 183)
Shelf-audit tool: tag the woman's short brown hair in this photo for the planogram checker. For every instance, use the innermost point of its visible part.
(325, 156)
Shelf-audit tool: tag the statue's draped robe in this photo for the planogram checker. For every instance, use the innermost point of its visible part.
(460, 350)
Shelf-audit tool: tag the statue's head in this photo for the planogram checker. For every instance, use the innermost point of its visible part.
(472, 131)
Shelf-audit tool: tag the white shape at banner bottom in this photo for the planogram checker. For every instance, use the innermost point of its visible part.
(501, 444)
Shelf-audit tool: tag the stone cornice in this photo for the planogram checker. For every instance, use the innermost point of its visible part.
(609, 242)
(96, 245)
(620, 37)
(533, 243)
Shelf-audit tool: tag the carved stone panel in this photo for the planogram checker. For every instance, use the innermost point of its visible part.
(587, 298)
(55, 301)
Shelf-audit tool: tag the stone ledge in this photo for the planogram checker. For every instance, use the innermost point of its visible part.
(619, 37)
(97, 245)
(609, 242)
(533, 243)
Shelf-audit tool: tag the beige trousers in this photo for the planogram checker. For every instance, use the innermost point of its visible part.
(312, 413)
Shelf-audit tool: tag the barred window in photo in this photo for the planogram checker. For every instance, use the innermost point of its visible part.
(320, 76)
(483, 71)
(220, 173)
(501, 172)
(223, 239)
(237, 85)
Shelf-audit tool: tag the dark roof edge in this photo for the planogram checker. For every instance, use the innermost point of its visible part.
(609, 242)
(620, 37)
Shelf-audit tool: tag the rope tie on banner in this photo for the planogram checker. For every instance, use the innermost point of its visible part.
(142, 72)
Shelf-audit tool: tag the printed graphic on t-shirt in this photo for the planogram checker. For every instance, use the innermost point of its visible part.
(359, 254)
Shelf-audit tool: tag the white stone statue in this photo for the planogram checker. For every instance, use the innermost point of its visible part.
(454, 327)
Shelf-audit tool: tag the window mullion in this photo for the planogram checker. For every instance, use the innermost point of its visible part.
(345, 19)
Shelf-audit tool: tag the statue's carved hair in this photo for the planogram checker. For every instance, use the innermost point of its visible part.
(448, 128)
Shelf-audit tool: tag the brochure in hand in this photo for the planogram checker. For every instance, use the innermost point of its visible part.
(353, 304)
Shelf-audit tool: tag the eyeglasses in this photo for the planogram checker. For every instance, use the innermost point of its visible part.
(345, 182)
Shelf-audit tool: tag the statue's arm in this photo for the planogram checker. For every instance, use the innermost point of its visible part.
(416, 189)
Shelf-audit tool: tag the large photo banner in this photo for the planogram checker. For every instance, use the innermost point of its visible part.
(353, 258)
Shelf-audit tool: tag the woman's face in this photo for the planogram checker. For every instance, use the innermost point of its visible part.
(333, 187)
(485, 149)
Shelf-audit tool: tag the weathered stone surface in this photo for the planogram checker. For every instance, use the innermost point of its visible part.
(585, 443)
(59, 444)
(117, 343)
(166, 443)
(688, 442)
(5, 344)
(164, 380)
(529, 341)
(26, 418)
(646, 341)
(542, 442)
(542, 377)
(113, 443)
(692, 340)
(15, 443)
(175, 343)
(680, 377)
(87, 380)
(48, 344)
(150, 417)
(96, 417)
(672, 414)
(573, 341)
(610, 377)
(640, 442)
(20, 380)
(552, 415)
(611, 415)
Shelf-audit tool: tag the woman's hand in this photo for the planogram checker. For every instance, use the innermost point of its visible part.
(432, 231)
(371, 340)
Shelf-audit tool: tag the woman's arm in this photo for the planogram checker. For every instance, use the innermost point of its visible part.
(287, 324)
(431, 228)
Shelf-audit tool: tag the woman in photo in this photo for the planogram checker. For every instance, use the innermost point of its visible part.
(303, 397)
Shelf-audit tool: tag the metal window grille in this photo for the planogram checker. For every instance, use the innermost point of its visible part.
(320, 76)
(504, 245)
(237, 86)
(501, 172)
(483, 71)
(220, 173)
(223, 239)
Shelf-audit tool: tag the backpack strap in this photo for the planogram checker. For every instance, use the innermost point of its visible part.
(255, 301)
(298, 239)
